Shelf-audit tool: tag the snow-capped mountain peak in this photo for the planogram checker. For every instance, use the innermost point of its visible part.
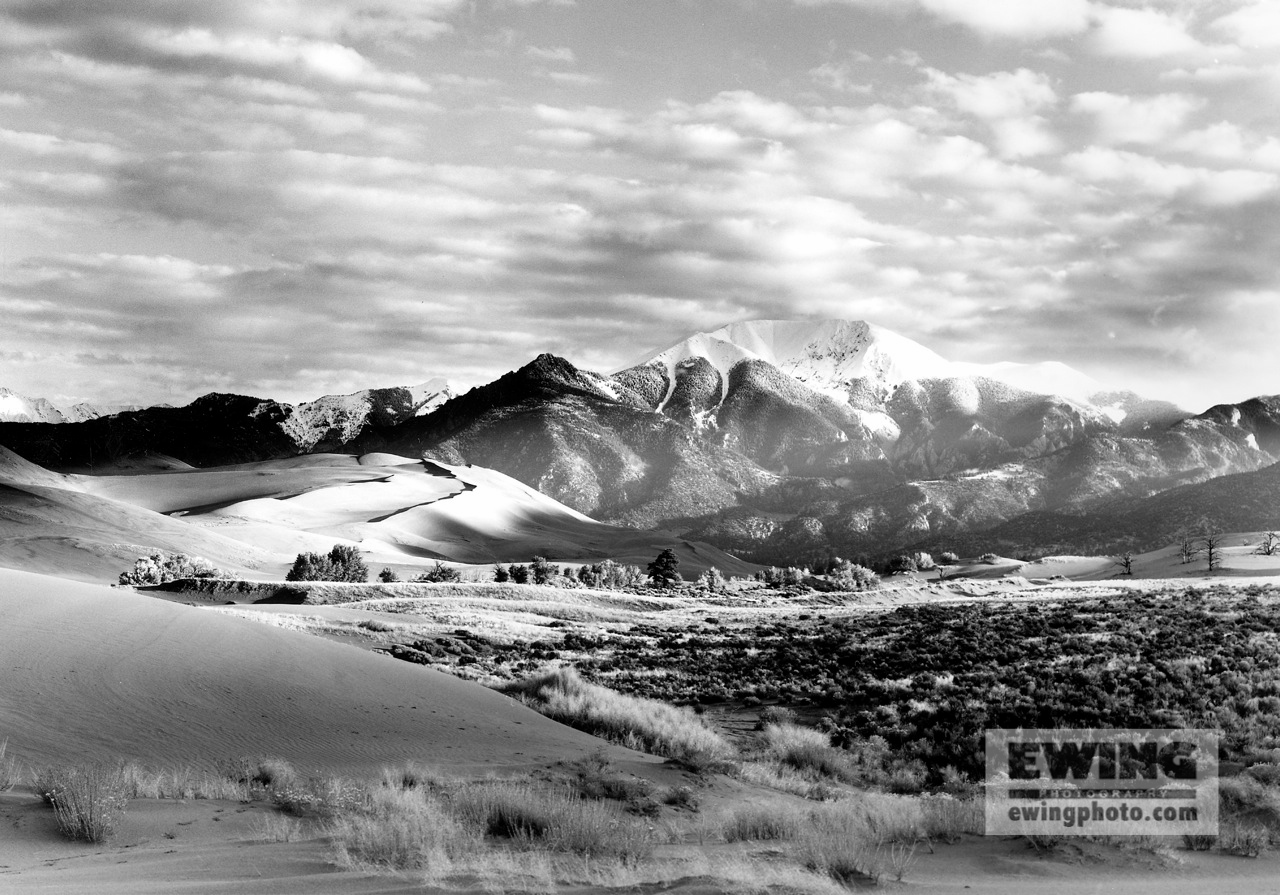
(834, 356)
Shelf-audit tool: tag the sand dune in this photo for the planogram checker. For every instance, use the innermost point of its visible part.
(253, 519)
(94, 672)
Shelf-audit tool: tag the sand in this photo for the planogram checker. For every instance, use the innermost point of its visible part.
(92, 672)
(252, 519)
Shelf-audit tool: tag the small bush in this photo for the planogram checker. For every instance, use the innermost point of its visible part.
(711, 580)
(160, 567)
(989, 558)
(806, 750)
(388, 576)
(501, 574)
(343, 563)
(610, 575)
(543, 572)
(850, 576)
(903, 563)
(323, 797)
(401, 830)
(1248, 840)
(554, 818)
(374, 625)
(519, 574)
(948, 558)
(438, 573)
(88, 800)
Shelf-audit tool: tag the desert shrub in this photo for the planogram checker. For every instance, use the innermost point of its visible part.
(752, 823)
(775, 714)
(595, 777)
(610, 575)
(903, 563)
(836, 844)
(786, 577)
(681, 797)
(9, 771)
(439, 572)
(388, 576)
(88, 800)
(401, 830)
(924, 561)
(664, 570)
(989, 558)
(323, 797)
(551, 817)
(542, 571)
(947, 818)
(948, 558)
(711, 580)
(1248, 840)
(850, 576)
(342, 563)
(500, 573)
(641, 723)
(806, 750)
(160, 567)
(373, 624)
(519, 574)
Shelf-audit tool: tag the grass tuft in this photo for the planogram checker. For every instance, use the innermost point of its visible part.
(88, 800)
(645, 724)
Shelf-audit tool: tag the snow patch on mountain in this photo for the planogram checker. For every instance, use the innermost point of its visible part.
(855, 360)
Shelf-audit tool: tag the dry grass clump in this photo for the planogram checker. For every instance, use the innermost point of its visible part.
(554, 818)
(323, 797)
(806, 750)
(10, 773)
(752, 823)
(277, 828)
(181, 782)
(947, 818)
(857, 843)
(88, 800)
(643, 724)
(402, 829)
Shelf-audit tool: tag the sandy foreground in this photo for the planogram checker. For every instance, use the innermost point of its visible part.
(93, 672)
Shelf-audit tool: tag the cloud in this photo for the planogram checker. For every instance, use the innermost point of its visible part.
(1252, 25)
(1014, 18)
(551, 54)
(1135, 119)
(1140, 33)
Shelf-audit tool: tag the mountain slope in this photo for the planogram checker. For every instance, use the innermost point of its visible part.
(218, 429)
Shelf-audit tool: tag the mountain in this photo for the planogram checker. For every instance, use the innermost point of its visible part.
(15, 408)
(782, 441)
(217, 429)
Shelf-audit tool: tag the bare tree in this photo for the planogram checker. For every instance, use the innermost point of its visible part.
(1269, 545)
(1125, 562)
(1188, 550)
(1211, 547)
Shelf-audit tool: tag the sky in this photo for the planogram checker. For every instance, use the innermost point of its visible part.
(290, 198)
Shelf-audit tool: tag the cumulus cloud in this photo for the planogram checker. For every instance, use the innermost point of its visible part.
(1136, 119)
(292, 199)
(1141, 33)
(1014, 18)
